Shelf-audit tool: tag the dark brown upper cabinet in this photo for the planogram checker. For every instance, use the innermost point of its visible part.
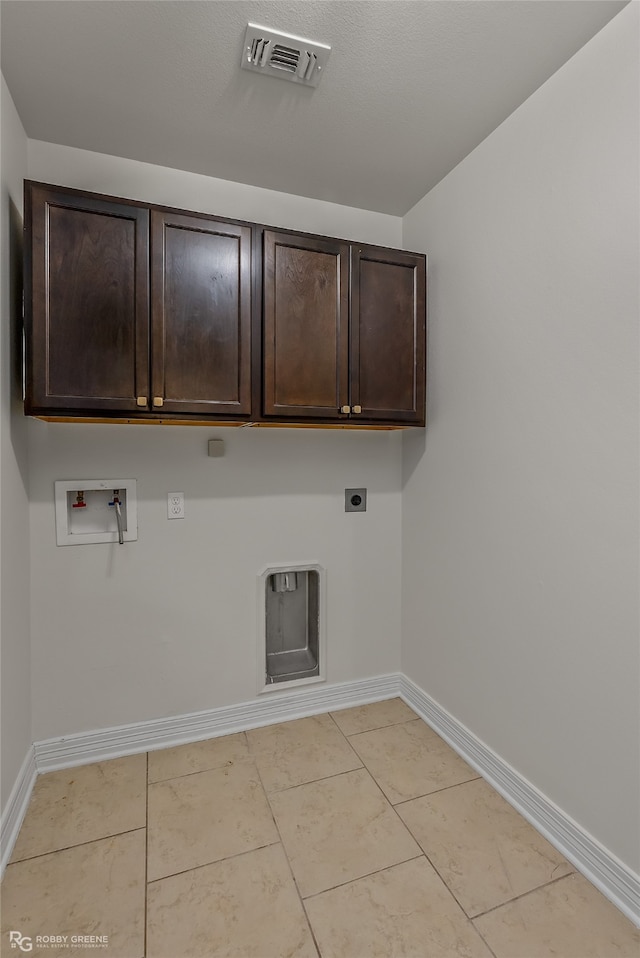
(201, 315)
(87, 302)
(306, 326)
(344, 331)
(134, 310)
(143, 312)
(388, 305)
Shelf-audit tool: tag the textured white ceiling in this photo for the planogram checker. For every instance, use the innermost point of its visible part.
(412, 86)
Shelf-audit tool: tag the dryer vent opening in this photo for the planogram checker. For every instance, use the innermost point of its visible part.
(292, 625)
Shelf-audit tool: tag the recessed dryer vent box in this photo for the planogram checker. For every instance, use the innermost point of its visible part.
(85, 511)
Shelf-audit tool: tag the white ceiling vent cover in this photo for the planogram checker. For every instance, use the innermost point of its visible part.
(283, 55)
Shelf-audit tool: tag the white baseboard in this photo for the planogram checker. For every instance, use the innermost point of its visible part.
(87, 747)
(614, 879)
(16, 807)
(604, 870)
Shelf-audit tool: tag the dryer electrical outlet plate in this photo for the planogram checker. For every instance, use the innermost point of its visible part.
(355, 500)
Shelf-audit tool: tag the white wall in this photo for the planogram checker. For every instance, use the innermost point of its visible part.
(167, 624)
(14, 514)
(520, 514)
(85, 170)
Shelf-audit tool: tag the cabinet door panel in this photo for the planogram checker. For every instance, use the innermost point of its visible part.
(201, 296)
(305, 326)
(388, 334)
(88, 335)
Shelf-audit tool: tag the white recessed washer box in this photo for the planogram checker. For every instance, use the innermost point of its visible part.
(85, 512)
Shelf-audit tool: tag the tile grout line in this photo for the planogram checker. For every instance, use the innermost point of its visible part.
(287, 788)
(352, 881)
(482, 938)
(436, 791)
(300, 898)
(421, 853)
(67, 848)
(379, 728)
(423, 795)
(253, 753)
(198, 771)
(216, 861)
(367, 731)
(385, 798)
(330, 714)
(508, 901)
(468, 918)
(313, 781)
(424, 854)
(524, 894)
(306, 915)
(289, 866)
(445, 883)
(252, 758)
(376, 728)
(362, 767)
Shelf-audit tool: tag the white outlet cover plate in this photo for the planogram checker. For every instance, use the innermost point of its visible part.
(64, 536)
(175, 505)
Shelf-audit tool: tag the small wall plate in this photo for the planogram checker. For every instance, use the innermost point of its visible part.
(216, 448)
(355, 500)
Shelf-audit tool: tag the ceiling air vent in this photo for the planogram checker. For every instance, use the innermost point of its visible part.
(283, 55)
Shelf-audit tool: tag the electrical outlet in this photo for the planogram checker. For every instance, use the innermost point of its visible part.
(175, 505)
(355, 500)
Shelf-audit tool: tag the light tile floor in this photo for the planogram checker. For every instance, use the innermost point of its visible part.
(356, 834)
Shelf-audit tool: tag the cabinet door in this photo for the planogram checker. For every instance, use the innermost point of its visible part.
(86, 302)
(388, 309)
(201, 315)
(306, 339)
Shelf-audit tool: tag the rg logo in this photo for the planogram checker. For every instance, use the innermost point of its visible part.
(20, 941)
